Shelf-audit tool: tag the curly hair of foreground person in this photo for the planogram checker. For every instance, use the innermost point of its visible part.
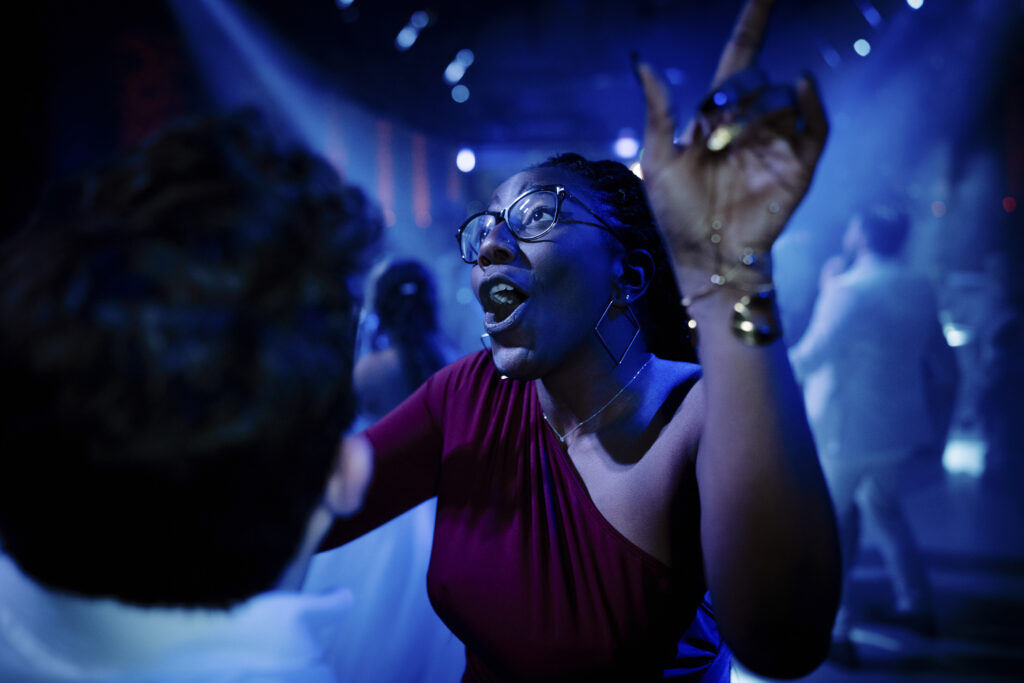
(176, 342)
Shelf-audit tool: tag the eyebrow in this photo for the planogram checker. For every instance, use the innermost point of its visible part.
(518, 193)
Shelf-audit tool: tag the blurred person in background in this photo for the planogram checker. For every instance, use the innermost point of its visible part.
(392, 633)
(176, 348)
(400, 330)
(1001, 368)
(878, 381)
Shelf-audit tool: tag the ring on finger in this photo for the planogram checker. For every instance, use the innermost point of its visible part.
(732, 91)
(768, 101)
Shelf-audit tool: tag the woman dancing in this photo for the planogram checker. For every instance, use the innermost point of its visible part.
(591, 483)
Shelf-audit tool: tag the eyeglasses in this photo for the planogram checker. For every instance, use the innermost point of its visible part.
(529, 217)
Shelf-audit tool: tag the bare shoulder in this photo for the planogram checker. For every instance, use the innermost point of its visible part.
(695, 402)
(682, 385)
(684, 394)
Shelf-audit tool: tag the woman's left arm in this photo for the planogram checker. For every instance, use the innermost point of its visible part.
(721, 198)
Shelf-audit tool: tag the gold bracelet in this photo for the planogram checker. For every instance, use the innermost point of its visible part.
(753, 318)
(750, 260)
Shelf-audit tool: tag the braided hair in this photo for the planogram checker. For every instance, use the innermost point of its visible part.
(662, 317)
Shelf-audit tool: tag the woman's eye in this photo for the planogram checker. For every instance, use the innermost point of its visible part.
(539, 215)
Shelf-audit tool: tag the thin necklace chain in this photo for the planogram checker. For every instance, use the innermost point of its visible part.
(563, 437)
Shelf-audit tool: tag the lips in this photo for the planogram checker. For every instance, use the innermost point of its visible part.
(503, 302)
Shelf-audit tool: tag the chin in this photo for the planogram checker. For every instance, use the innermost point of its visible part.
(515, 362)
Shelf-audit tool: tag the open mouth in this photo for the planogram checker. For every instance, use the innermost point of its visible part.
(501, 299)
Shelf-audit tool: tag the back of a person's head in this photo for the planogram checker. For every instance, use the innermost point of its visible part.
(176, 341)
(404, 299)
(885, 230)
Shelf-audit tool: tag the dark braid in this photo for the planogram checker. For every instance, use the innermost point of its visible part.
(662, 317)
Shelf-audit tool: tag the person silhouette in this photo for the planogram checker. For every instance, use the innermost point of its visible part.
(871, 352)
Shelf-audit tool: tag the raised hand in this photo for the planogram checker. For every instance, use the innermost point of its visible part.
(740, 169)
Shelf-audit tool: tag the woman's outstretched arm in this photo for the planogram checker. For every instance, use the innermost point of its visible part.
(721, 198)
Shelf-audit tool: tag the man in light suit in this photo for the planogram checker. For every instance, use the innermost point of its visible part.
(872, 353)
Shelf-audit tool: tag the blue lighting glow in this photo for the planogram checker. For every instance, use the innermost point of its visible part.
(345, 3)
(871, 14)
(465, 160)
(862, 47)
(964, 454)
(956, 335)
(720, 98)
(456, 69)
(675, 75)
(405, 38)
(460, 93)
(453, 73)
(830, 55)
(627, 145)
(243, 65)
(915, 4)
(419, 20)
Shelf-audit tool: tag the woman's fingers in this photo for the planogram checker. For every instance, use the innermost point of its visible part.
(659, 144)
(745, 41)
(811, 140)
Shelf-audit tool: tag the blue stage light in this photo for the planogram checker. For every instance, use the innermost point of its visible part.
(419, 20)
(465, 160)
(405, 38)
(627, 145)
(453, 73)
(871, 14)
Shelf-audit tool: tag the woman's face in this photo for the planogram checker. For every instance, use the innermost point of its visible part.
(542, 299)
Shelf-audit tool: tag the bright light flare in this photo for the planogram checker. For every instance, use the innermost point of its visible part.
(871, 14)
(964, 454)
(627, 145)
(454, 73)
(465, 160)
(456, 69)
(419, 20)
(405, 38)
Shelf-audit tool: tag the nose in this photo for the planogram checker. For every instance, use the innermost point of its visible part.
(498, 247)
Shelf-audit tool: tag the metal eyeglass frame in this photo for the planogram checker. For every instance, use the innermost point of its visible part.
(561, 194)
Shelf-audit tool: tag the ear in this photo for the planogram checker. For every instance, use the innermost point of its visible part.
(637, 272)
